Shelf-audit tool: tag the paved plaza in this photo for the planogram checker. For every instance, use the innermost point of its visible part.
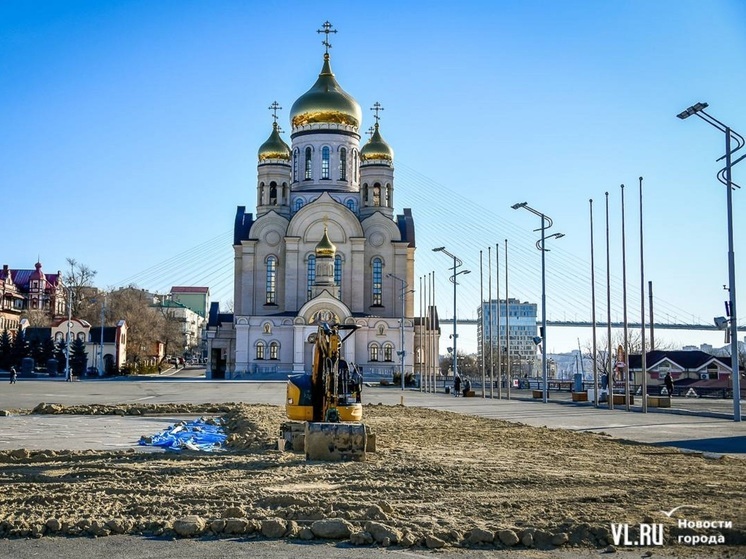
(699, 425)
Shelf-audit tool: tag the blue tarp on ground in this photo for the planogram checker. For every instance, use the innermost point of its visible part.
(201, 434)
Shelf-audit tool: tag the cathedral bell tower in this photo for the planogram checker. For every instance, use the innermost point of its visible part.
(377, 173)
(325, 252)
(273, 172)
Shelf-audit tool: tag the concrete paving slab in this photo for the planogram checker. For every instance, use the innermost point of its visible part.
(696, 432)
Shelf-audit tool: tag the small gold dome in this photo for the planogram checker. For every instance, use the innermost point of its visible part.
(326, 102)
(376, 148)
(274, 147)
(325, 246)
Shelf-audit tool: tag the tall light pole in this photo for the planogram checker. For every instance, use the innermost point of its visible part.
(68, 372)
(101, 346)
(724, 176)
(402, 353)
(457, 263)
(546, 223)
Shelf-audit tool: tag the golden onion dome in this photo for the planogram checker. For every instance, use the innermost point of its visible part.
(325, 246)
(274, 147)
(326, 102)
(376, 148)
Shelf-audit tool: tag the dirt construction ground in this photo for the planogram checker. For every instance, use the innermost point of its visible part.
(438, 480)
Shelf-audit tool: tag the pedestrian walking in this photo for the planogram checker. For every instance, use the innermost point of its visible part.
(13, 375)
(668, 381)
(456, 385)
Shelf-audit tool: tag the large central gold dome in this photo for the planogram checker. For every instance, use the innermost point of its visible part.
(326, 102)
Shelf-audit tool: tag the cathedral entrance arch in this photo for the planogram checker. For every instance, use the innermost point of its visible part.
(323, 308)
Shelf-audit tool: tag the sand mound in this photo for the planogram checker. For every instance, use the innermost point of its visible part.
(437, 479)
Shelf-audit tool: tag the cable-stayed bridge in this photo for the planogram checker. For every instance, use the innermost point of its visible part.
(632, 325)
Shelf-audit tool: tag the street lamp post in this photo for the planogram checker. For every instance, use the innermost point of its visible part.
(457, 263)
(402, 353)
(724, 176)
(68, 372)
(546, 223)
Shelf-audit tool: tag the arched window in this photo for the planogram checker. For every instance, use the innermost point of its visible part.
(355, 168)
(338, 270)
(260, 350)
(376, 194)
(377, 280)
(388, 196)
(418, 354)
(343, 164)
(351, 205)
(311, 275)
(388, 352)
(295, 165)
(298, 204)
(274, 350)
(271, 298)
(373, 352)
(325, 162)
(308, 164)
(273, 193)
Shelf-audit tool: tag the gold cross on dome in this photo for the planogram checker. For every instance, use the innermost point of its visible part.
(274, 108)
(327, 28)
(377, 107)
(370, 131)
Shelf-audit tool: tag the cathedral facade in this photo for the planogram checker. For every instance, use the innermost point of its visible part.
(325, 245)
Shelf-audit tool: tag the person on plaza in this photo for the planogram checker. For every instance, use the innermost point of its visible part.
(456, 385)
(467, 387)
(668, 381)
(356, 384)
(13, 375)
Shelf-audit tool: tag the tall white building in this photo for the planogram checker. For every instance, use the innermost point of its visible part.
(325, 245)
(509, 324)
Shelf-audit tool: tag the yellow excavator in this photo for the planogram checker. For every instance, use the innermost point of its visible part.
(332, 392)
(325, 407)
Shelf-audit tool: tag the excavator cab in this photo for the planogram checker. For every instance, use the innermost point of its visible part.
(332, 392)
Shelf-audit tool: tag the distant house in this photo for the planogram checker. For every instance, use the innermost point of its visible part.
(690, 366)
(40, 291)
(195, 298)
(114, 341)
(192, 324)
(11, 302)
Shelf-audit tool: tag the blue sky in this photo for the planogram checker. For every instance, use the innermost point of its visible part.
(130, 130)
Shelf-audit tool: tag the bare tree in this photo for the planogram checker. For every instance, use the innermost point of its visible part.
(79, 280)
(606, 354)
(170, 328)
(38, 318)
(143, 320)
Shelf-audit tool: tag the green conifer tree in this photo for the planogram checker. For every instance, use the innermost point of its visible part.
(20, 350)
(60, 355)
(5, 350)
(78, 357)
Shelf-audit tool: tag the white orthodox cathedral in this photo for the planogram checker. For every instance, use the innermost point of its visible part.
(325, 246)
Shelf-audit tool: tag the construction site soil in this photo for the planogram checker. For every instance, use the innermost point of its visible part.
(437, 480)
